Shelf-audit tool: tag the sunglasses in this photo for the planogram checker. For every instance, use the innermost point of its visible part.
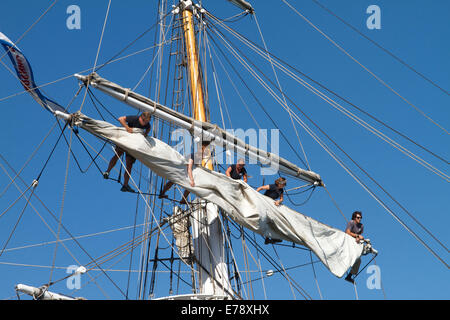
(358, 217)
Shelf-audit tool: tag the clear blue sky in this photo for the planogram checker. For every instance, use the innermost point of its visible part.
(415, 31)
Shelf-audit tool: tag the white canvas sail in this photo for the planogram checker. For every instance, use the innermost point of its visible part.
(337, 250)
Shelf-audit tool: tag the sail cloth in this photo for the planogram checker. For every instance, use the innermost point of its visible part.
(337, 250)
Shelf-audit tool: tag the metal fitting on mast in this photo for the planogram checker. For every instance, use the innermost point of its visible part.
(244, 5)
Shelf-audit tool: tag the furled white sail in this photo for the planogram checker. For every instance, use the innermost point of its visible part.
(337, 250)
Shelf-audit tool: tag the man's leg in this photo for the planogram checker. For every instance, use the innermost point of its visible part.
(185, 195)
(167, 186)
(129, 164)
(113, 162)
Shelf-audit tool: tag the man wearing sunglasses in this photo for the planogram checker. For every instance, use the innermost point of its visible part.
(355, 228)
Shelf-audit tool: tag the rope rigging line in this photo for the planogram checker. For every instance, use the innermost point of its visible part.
(381, 47)
(29, 158)
(259, 103)
(347, 169)
(281, 91)
(315, 276)
(62, 205)
(148, 206)
(101, 36)
(36, 211)
(126, 247)
(77, 237)
(18, 198)
(365, 68)
(29, 29)
(20, 217)
(333, 104)
(52, 215)
(272, 261)
(312, 189)
(279, 63)
(391, 197)
(98, 51)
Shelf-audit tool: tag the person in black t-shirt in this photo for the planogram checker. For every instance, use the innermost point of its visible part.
(355, 228)
(274, 191)
(237, 171)
(129, 122)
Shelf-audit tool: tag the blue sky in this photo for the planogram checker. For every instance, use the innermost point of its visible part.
(415, 31)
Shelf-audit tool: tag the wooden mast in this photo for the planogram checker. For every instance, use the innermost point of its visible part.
(197, 92)
(208, 238)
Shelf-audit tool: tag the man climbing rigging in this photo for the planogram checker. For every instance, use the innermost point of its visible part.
(237, 171)
(355, 228)
(129, 122)
(274, 191)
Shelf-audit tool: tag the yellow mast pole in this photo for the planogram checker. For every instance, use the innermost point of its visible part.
(209, 235)
(197, 93)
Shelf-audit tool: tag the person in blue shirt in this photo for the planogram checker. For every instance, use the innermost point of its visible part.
(274, 191)
(237, 171)
(355, 229)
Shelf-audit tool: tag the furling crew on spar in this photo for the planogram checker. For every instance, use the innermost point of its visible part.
(237, 171)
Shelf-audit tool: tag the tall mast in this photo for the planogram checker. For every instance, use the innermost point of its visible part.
(208, 237)
(195, 79)
(197, 95)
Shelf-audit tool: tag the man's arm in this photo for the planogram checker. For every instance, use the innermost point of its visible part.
(191, 177)
(354, 235)
(228, 172)
(278, 202)
(266, 187)
(245, 178)
(123, 122)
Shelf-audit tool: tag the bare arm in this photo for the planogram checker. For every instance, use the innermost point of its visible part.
(123, 122)
(191, 177)
(354, 235)
(245, 178)
(278, 202)
(266, 187)
(228, 172)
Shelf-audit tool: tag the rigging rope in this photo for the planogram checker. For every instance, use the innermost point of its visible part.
(365, 68)
(334, 156)
(281, 65)
(381, 47)
(329, 101)
(29, 29)
(98, 51)
(281, 90)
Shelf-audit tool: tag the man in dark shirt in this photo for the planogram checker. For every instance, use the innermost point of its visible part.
(355, 228)
(237, 171)
(129, 122)
(274, 191)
